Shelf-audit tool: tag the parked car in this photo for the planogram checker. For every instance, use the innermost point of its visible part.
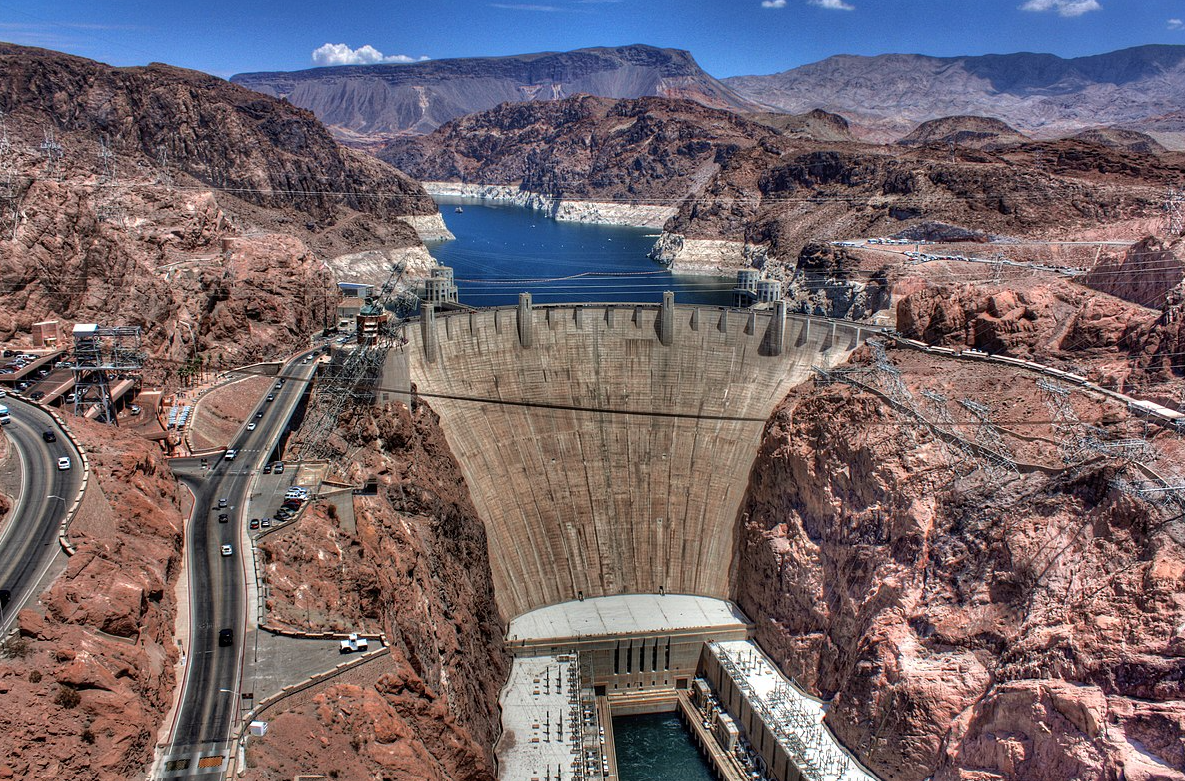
(254, 524)
(37, 395)
(266, 522)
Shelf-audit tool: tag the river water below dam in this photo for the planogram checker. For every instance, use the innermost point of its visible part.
(502, 250)
(657, 747)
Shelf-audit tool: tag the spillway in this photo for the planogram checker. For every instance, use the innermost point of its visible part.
(619, 455)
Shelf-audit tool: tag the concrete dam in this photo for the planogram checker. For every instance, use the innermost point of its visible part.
(621, 449)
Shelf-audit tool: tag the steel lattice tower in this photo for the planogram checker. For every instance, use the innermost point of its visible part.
(101, 353)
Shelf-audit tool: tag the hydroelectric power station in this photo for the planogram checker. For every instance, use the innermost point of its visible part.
(607, 448)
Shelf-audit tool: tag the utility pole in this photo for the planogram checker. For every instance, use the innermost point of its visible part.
(53, 156)
(163, 177)
(1174, 207)
(107, 207)
(9, 186)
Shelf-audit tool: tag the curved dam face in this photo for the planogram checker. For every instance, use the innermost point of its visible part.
(619, 458)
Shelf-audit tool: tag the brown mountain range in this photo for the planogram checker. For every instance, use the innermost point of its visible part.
(750, 183)
(1039, 94)
(219, 210)
(366, 103)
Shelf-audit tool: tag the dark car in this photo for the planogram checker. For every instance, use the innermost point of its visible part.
(254, 524)
(226, 637)
(267, 469)
(291, 504)
(271, 397)
(259, 414)
(223, 517)
(49, 436)
(37, 395)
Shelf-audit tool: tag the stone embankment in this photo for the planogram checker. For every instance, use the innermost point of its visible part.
(638, 215)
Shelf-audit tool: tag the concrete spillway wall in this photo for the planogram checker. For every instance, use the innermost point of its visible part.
(620, 460)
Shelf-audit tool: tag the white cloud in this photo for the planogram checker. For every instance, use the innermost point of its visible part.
(773, 3)
(834, 5)
(342, 54)
(1176, 24)
(1065, 8)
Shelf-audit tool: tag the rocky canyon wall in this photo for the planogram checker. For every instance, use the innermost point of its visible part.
(216, 208)
(414, 565)
(969, 625)
(89, 677)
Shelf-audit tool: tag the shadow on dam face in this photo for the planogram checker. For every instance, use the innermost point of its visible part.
(623, 450)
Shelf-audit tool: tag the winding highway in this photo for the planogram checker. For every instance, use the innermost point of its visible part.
(209, 709)
(28, 543)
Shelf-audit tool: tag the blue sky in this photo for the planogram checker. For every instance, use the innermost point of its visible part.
(727, 37)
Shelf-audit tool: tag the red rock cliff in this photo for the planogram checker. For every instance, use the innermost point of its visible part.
(90, 677)
(985, 627)
(416, 568)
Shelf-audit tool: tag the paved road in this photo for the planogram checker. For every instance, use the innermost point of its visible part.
(29, 542)
(210, 703)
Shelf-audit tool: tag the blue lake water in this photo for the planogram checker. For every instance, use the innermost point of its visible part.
(657, 747)
(503, 250)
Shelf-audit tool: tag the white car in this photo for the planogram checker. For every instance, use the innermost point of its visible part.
(63, 463)
(227, 550)
(251, 426)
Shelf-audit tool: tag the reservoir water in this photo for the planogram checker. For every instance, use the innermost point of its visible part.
(656, 747)
(502, 250)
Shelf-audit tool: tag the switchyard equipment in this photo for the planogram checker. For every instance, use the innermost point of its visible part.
(101, 353)
(352, 376)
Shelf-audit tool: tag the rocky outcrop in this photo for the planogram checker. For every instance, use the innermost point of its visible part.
(650, 151)
(1037, 93)
(970, 132)
(368, 103)
(230, 231)
(815, 125)
(1116, 343)
(713, 257)
(413, 564)
(1119, 138)
(90, 676)
(1149, 273)
(965, 625)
